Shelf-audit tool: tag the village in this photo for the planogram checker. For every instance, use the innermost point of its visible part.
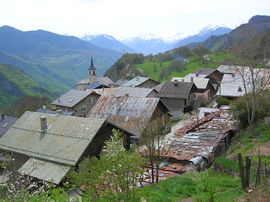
(45, 144)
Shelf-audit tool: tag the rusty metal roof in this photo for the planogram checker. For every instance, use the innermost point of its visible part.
(131, 114)
(64, 141)
(207, 134)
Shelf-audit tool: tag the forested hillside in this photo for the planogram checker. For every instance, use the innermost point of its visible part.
(55, 62)
(15, 83)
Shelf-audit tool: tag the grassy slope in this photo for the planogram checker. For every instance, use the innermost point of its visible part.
(223, 187)
(153, 69)
(200, 186)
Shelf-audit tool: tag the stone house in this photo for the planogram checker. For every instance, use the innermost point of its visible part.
(46, 146)
(179, 97)
(77, 101)
(141, 82)
(205, 89)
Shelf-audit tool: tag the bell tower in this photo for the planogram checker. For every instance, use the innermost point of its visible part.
(92, 72)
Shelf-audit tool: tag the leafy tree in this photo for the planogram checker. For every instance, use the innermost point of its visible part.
(242, 113)
(113, 176)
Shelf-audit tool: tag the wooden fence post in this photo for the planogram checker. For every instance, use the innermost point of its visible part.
(258, 179)
(241, 170)
(248, 164)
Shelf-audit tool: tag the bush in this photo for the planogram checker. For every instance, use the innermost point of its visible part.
(262, 107)
(222, 101)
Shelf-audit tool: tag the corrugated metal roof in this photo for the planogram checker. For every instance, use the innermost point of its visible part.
(131, 114)
(135, 82)
(48, 171)
(71, 98)
(200, 83)
(64, 141)
(6, 123)
(175, 90)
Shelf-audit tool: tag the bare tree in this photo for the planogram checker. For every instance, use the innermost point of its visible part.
(254, 77)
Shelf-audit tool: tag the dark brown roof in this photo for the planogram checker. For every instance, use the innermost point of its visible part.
(205, 71)
(130, 114)
(175, 90)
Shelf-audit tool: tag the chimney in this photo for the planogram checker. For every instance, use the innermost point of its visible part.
(175, 82)
(2, 117)
(126, 94)
(137, 78)
(191, 79)
(233, 75)
(43, 124)
(44, 107)
(183, 80)
(197, 75)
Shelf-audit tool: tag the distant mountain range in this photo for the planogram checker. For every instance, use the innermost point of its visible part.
(256, 25)
(108, 42)
(53, 61)
(252, 38)
(151, 44)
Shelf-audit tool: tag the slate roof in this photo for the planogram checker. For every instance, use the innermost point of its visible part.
(64, 141)
(138, 80)
(204, 71)
(105, 80)
(71, 98)
(133, 91)
(46, 111)
(202, 76)
(200, 83)
(172, 90)
(130, 114)
(6, 123)
(95, 85)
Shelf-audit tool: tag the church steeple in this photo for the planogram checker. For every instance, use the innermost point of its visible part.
(92, 72)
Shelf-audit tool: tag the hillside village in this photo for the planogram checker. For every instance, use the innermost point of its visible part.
(47, 143)
(191, 123)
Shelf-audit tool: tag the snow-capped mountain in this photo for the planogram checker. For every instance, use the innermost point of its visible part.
(202, 35)
(152, 44)
(147, 44)
(108, 42)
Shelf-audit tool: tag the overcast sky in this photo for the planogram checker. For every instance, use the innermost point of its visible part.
(127, 17)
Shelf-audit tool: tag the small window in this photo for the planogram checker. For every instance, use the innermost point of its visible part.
(239, 89)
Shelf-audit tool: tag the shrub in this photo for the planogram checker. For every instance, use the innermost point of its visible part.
(222, 101)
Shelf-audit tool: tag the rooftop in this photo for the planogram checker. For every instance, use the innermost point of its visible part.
(200, 83)
(5, 123)
(130, 114)
(175, 89)
(74, 134)
(135, 82)
(71, 98)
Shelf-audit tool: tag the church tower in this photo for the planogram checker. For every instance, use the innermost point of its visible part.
(92, 72)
